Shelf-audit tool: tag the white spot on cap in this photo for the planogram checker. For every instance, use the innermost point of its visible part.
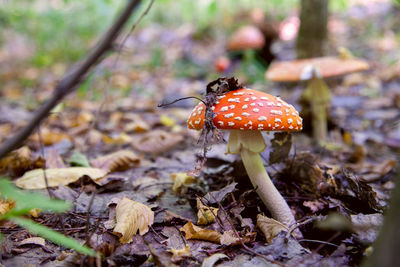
(252, 104)
(221, 96)
(239, 93)
(229, 115)
(290, 127)
(231, 123)
(261, 126)
(224, 108)
(262, 118)
(241, 128)
(238, 118)
(260, 104)
(250, 123)
(197, 122)
(277, 120)
(191, 124)
(245, 114)
(290, 120)
(212, 108)
(246, 99)
(256, 110)
(298, 122)
(221, 123)
(245, 106)
(232, 106)
(270, 104)
(253, 98)
(269, 125)
(233, 100)
(217, 102)
(276, 112)
(264, 98)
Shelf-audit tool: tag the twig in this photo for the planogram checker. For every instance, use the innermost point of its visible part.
(304, 221)
(318, 241)
(73, 78)
(87, 235)
(46, 181)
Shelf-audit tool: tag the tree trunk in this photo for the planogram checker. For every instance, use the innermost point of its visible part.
(386, 249)
(312, 38)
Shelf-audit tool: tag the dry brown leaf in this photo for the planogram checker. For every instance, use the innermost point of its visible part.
(194, 232)
(19, 161)
(205, 215)
(118, 161)
(156, 141)
(180, 179)
(270, 227)
(51, 137)
(53, 159)
(33, 241)
(229, 238)
(35, 179)
(6, 205)
(35, 212)
(132, 216)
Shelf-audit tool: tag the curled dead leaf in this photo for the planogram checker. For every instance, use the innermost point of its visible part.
(205, 214)
(179, 253)
(194, 232)
(33, 241)
(19, 161)
(60, 176)
(132, 216)
(6, 205)
(156, 142)
(180, 179)
(118, 161)
(270, 227)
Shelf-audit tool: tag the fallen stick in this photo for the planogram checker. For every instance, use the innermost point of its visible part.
(75, 76)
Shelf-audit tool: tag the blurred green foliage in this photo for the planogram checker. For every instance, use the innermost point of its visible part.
(60, 31)
(25, 202)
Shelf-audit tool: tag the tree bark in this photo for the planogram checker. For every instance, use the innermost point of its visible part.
(386, 249)
(312, 38)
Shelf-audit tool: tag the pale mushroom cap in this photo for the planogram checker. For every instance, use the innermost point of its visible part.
(291, 71)
(246, 37)
(247, 109)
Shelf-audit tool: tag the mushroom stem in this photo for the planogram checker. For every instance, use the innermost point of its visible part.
(250, 144)
(268, 193)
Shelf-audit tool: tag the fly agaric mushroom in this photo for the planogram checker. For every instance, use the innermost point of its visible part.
(317, 93)
(246, 113)
(246, 37)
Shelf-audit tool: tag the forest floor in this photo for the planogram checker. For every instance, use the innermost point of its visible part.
(339, 191)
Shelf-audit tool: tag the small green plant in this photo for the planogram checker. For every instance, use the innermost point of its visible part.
(28, 201)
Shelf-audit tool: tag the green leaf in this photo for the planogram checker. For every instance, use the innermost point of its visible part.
(78, 159)
(27, 201)
(53, 236)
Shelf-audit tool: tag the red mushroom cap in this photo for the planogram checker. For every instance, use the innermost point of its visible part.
(247, 109)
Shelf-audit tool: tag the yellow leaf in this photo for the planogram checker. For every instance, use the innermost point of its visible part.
(205, 215)
(120, 139)
(35, 179)
(132, 216)
(34, 212)
(194, 232)
(167, 121)
(180, 179)
(118, 161)
(51, 137)
(270, 227)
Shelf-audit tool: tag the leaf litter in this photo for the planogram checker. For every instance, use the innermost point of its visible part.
(140, 146)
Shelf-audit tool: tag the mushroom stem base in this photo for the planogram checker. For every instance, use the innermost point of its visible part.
(268, 193)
